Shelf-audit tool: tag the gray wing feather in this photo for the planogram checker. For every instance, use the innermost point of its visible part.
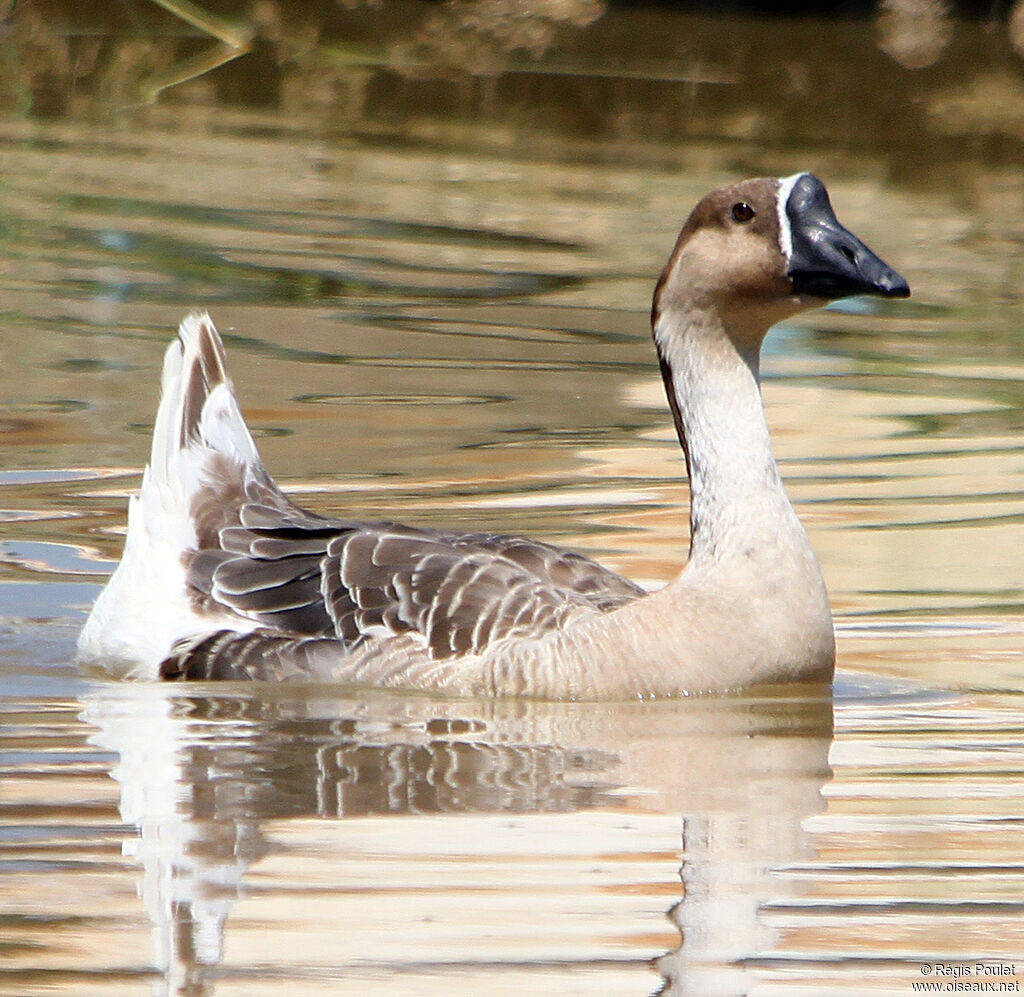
(565, 569)
(242, 576)
(309, 576)
(460, 593)
(258, 656)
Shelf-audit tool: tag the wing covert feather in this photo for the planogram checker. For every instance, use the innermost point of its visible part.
(460, 593)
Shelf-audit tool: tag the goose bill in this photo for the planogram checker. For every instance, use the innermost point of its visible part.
(827, 260)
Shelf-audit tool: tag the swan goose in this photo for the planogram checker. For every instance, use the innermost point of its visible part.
(224, 577)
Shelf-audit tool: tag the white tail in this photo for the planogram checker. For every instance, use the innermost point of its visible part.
(144, 608)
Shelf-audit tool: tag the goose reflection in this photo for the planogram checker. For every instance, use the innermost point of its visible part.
(379, 836)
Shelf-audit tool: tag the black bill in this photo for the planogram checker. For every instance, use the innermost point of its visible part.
(827, 260)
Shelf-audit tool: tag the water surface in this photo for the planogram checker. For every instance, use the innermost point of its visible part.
(431, 253)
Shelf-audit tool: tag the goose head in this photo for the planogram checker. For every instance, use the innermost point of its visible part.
(759, 251)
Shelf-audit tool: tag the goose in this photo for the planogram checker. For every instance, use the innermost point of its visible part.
(224, 577)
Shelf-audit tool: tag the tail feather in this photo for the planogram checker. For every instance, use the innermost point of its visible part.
(199, 436)
(207, 371)
(198, 408)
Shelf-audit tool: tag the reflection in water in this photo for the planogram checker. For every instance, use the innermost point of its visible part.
(481, 35)
(565, 67)
(220, 791)
(1015, 27)
(914, 32)
(234, 40)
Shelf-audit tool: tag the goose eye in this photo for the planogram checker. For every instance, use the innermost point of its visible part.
(742, 212)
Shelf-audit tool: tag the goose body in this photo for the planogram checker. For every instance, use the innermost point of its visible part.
(223, 577)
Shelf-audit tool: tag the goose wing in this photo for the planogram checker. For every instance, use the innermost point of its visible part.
(460, 593)
(302, 574)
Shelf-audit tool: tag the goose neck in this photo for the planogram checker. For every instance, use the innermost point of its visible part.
(713, 387)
